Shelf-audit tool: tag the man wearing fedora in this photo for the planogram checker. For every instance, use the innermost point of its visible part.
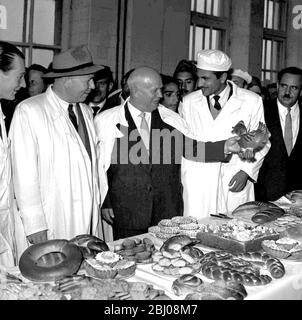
(53, 153)
(211, 112)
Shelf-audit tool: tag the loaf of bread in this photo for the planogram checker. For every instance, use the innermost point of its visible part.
(219, 290)
(215, 240)
(242, 268)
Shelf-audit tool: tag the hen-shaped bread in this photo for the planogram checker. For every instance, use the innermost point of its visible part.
(252, 141)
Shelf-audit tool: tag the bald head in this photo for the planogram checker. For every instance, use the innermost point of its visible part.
(145, 89)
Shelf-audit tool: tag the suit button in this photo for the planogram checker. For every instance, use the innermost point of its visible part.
(149, 187)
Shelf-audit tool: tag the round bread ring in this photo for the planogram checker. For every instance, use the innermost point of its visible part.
(32, 270)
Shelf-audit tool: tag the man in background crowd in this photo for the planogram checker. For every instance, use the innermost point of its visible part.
(281, 168)
(36, 83)
(103, 82)
(241, 78)
(119, 96)
(185, 73)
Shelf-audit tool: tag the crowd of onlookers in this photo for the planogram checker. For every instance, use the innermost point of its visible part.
(108, 93)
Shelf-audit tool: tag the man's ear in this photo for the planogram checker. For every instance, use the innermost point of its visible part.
(110, 86)
(224, 77)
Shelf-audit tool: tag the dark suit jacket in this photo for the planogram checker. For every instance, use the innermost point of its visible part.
(143, 194)
(279, 173)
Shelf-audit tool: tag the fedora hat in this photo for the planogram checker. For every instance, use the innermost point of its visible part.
(76, 61)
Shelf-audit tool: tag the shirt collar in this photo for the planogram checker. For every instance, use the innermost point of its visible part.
(136, 112)
(283, 109)
(224, 94)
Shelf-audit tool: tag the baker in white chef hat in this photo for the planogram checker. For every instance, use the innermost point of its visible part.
(212, 72)
(241, 78)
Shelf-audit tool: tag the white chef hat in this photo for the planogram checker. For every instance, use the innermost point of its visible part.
(242, 74)
(213, 60)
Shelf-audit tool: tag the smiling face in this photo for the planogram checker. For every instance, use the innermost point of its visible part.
(289, 89)
(209, 83)
(11, 81)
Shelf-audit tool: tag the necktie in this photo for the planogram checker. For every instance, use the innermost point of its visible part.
(82, 130)
(217, 105)
(288, 132)
(95, 110)
(72, 116)
(144, 130)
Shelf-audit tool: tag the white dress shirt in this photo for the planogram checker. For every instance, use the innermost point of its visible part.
(135, 113)
(295, 114)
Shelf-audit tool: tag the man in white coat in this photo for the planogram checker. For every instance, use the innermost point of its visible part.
(11, 80)
(210, 113)
(53, 153)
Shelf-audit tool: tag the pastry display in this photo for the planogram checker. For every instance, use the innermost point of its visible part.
(177, 225)
(283, 248)
(285, 222)
(243, 268)
(29, 291)
(50, 260)
(177, 256)
(135, 249)
(219, 290)
(258, 212)
(109, 265)
(235, 236)
(87, 288)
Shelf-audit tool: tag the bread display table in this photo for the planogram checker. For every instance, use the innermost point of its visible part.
(285, 288)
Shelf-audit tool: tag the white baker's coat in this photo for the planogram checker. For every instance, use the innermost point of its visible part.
(206, 189)
(54, 180)
(7, 244)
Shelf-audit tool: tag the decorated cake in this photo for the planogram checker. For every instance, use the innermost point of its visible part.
(108, 265)
(235, 236)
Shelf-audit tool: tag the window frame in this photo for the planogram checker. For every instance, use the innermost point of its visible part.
(212, 22)
(274, 35)
(28, 44)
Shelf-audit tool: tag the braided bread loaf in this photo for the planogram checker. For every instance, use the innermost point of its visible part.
(273, 265)
(221, 265)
